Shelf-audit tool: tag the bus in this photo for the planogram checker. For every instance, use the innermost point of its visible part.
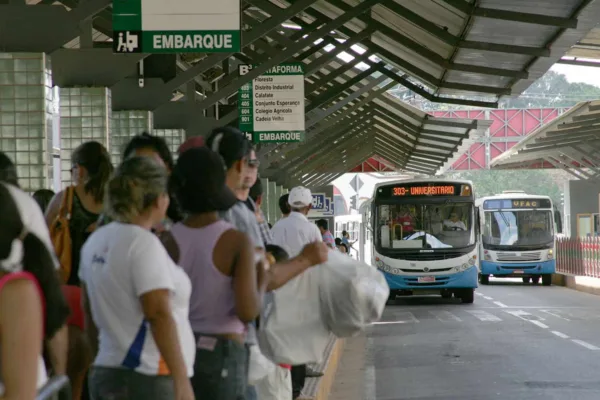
(518, 236)
(424, 237)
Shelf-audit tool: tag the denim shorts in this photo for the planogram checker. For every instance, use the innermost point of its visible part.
(125, 384)
(220, 369)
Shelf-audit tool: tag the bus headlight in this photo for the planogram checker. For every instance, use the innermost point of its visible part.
(379, 263)
(472, 261)
(487, 257)
(550, 254)
(463, 267)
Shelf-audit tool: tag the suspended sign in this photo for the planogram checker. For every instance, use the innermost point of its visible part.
(272, 105)
(186, 26)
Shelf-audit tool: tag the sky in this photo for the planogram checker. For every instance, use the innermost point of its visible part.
(590, 75)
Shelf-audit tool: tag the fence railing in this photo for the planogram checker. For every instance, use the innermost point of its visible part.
(578, 256)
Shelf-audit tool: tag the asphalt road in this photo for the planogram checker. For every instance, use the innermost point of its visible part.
(516, 341)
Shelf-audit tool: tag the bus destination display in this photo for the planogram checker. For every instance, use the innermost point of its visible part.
(425, 190)
(516, 203)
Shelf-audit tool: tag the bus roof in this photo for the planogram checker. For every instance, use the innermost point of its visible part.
(515, 196)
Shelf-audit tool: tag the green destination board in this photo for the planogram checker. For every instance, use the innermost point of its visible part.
(183, 26)
(272, 105)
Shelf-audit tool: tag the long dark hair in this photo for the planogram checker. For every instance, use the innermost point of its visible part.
(8, 170)
(96, 160)
(36, 260)
(157, 144)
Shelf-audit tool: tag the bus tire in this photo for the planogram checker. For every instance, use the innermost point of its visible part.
(526, 279)
(535, 279)
(446, 294)
(547, 279)
(484, 279)
(467, 296)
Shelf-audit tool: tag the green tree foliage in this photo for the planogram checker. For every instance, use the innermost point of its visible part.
(490, 182)
(551, 90)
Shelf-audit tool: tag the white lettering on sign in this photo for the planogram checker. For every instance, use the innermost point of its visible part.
(286, 69)
(192, 41)
(281, 137)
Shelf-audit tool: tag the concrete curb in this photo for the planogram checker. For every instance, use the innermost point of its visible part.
(580, 283)
(320, 388)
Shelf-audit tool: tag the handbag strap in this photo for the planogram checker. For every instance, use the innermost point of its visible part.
(66, 205)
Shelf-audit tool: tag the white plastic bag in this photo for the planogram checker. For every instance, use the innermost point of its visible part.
(292, 330)
(259, 366)
(352, 294)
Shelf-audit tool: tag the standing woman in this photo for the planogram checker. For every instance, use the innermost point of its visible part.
(32, 307)
(136, 300)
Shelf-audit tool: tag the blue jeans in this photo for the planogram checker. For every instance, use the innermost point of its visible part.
(220, 372)
(251, 393)
(126, 384)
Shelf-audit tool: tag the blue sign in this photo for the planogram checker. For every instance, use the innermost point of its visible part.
(318, 201)
(328, 207)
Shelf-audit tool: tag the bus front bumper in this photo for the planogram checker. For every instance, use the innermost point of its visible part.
(518, 269)
(465, 279)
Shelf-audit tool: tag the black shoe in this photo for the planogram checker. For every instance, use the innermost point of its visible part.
(311, 373)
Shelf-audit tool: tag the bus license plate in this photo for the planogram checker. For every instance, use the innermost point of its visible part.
(426, 279)
(519, 271)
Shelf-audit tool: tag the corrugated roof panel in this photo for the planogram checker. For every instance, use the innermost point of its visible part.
(553, 8)
(477, 79)
(511, 33)
(515, 62)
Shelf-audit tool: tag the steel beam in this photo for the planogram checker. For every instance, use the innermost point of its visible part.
(27, 28)
(289, 52)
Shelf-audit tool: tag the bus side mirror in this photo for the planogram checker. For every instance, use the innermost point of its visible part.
(558, 221)
(477, 221)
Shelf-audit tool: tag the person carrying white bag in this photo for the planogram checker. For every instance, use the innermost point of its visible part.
(352, 294)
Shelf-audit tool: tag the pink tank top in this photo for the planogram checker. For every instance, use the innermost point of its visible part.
(212, 303)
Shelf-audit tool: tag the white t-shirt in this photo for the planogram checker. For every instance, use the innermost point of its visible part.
(295, 232)
(32, 217)
(119, 263)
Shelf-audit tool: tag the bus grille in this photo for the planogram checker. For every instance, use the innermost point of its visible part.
(421, 270)
(426, 256)
(523, 257)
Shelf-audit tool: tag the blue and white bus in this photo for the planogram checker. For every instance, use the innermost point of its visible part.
(518, 236)
(425, 237)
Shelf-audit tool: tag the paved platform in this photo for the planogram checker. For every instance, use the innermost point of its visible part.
(517, 341)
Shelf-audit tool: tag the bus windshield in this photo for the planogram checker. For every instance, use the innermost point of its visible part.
(526, 228)
(425, 226)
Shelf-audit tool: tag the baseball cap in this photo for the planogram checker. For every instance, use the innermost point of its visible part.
(300, 197)
(198, 182)
(230, 143)
(194, 141)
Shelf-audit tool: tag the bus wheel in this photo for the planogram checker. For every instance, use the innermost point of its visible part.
(391, 297)
(484, 279)
(547, 279)
(526, 279)
(467, 295)
(535, 279)
(446, 294)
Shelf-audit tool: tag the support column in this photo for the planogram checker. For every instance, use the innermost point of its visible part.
(85, 115)
(273, 202)
(26, 117)
(266, 199)
(125, 125)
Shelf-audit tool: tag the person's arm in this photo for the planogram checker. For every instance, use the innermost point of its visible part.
(281, 273)
(249, 278)
(21, 345)
(152, 283)
(91, 330)
(157, 311)
(58, 347)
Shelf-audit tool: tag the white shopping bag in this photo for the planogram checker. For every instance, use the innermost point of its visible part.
(352, 294)
(259, 366)
(292, 330)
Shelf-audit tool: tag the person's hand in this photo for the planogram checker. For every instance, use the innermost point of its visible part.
(183, 390)
(316, 253)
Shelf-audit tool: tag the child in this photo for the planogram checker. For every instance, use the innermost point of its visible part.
(278, 384)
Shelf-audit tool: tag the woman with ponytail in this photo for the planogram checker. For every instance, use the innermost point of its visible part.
(28, 278)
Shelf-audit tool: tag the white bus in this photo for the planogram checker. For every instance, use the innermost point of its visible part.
(425, 237)
(518, 236)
